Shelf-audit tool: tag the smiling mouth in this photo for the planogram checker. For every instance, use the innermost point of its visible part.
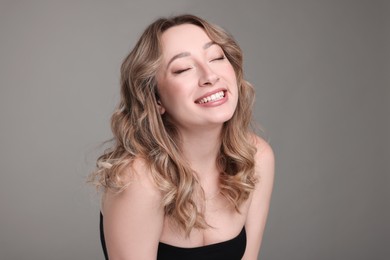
(214, 97)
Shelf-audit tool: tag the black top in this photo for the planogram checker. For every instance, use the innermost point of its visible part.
(232, 249)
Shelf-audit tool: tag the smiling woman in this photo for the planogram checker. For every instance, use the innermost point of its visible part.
(186, 177)
(198, 86)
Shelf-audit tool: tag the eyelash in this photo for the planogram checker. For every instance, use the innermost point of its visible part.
(220, 58)
(184, 70)
(180, 71)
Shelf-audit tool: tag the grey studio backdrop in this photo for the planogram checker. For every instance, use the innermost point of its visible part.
(321, 72)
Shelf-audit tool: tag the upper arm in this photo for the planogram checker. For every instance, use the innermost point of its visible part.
(259, 205)
(133, 219)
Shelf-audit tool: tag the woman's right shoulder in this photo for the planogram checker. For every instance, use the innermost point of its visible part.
(133, 218)
(138, 183)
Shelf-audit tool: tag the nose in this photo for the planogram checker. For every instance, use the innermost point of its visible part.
(208, 77)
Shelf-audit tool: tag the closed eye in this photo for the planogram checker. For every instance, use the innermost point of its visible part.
(180, 71)
(219, 58)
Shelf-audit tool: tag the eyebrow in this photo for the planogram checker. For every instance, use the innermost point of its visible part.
(207, 45)
(186, 54)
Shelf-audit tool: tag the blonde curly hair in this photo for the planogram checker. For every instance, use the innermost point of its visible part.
(141, 132)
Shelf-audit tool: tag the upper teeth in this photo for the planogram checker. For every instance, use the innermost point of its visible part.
(213, 97)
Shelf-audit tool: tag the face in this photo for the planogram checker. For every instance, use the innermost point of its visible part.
(197, 84)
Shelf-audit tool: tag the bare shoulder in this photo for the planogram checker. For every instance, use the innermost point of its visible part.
(261, 196)
(133, 218)
(264, 168)
(264, 158)
(139, 183)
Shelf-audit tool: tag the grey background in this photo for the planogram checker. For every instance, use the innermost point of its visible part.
(321, 71)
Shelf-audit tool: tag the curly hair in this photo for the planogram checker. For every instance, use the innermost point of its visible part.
(141, 132)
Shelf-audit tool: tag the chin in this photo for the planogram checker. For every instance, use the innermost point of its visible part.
(223, 118)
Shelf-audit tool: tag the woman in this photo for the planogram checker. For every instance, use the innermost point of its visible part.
(186, 178)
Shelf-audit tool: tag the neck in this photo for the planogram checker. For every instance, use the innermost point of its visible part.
(201, 148)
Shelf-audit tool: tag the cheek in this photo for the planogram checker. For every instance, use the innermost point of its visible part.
(229, 73)
(233, 73)
(171, 93)
(170, 89)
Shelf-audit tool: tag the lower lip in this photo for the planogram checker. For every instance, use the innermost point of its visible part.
(216, 102)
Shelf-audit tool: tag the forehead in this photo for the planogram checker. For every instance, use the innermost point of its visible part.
(183, 38)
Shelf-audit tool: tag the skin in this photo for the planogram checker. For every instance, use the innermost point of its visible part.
(198, 68)
(134, 221)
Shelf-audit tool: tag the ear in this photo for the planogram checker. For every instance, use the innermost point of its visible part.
(160, 107)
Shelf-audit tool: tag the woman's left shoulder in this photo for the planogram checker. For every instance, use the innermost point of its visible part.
(264, 157)
(260, 197)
